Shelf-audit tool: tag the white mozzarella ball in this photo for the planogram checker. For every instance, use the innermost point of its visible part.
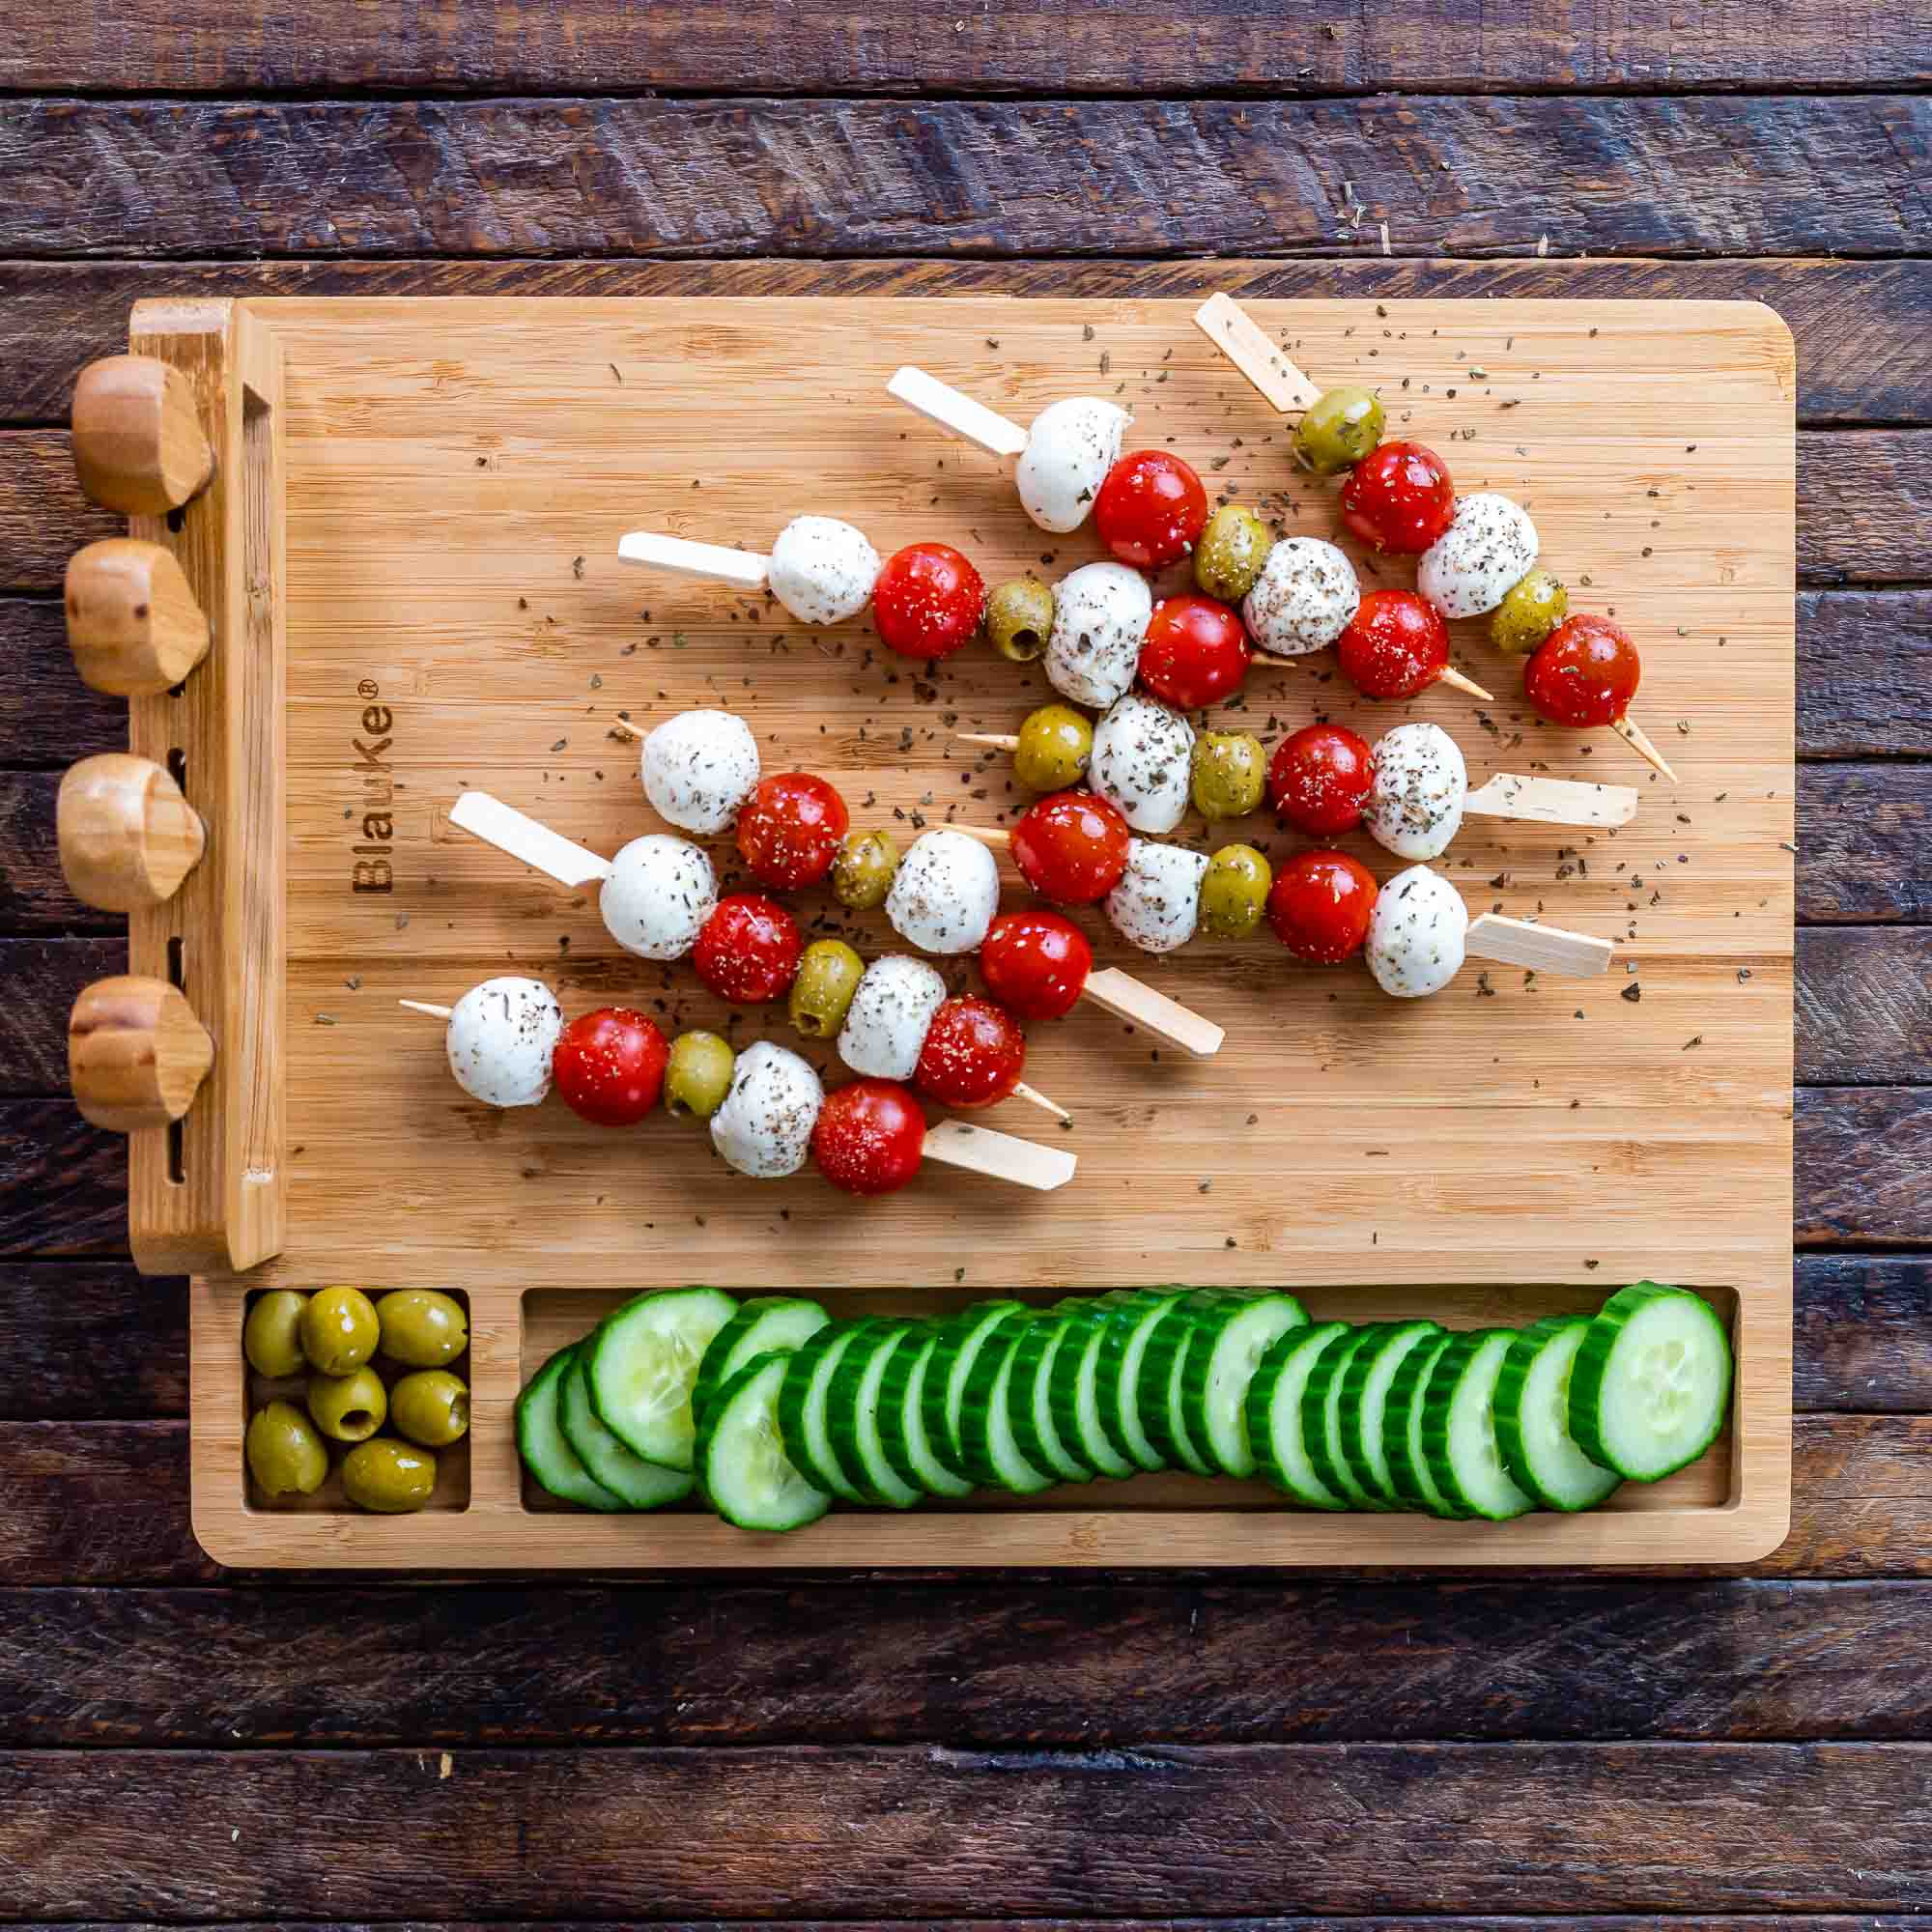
(1101, 614)
(1069, 448)
(1470, 568)
(945, 893)
(698, 769)
(1416, 933)
(1158, 899)
(764, 1127)
(884, 1025)
(1141, 763)
(660, 890)
(1303, 599)
(822, 570)
(500, 1037)
(1415, 804)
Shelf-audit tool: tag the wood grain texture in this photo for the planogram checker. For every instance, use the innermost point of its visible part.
(43, 518)
(90, 1340)
(45, 976)
(62, 1185)
(1489, 1922)
(1452, 176)
(1863, 1338)
(1864, 683)
(926, 1830)
(1868, 496)
(1864, 1006)
(1865, 836)
(1861, 1158)
(47, 717)
(34, 896)
(1865, 347)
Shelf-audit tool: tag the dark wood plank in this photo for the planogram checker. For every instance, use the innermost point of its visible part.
(47, 717)
(1865, 503)
(1864, 683)
(33, 892)
(62, 1185)
(43, 518)
(1864, 1004)
(1452, 176)
(42, 977)
(1864, 844)
(1009, 1663)
(924, 1831)
(1860, 1506)
(90, 1338)
(1594, 1922)
(1864, 1333)
(1865, 346)
(1861, 1162)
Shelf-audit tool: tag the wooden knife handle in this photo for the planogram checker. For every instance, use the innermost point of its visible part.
(138, 442)
(135, 1053)
(128, 834)
(132, 623)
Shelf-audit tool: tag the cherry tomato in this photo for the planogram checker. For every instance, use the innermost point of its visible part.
(1320, 906)
(1399, 497)
(928, 600)
(1318, 779)
(1151, 510)
(870, 1137)
(974, 1053)
(748, 951)
(1036, 963)
(609, 1065)
(789, 829)
(1396, 644)
(1585, 672)
(1195, 652)
(1072, 846)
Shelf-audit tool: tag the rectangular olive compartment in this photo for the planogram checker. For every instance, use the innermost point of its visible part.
(452, 1465)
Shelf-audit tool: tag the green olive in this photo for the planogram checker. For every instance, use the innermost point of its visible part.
(271, 1335)
(286, 1457)
(1533, 608)
(697, 1075)
(1234, 893)
(1019, 619)
(1230, 771)
(1056, 741)
(349, 1408)
(862, 875)
(387, 1477)
(339, 1329)
(1339, 430)
(1230, 553)
(828, 976)
(421, 1328)
(430, 1406)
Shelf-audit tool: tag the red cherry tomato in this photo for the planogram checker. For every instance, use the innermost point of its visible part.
(1320, 906)
(974, 1053)
(748, 951)
(870, 1137)
(1585, 672)
(1396, 644)
(609, 1065)
(1151, 510)
(1195, 652)
(789, 829)
(1072, 846)
(1036, 962)
(1399, 497)
(928, 600)
(1318, 779)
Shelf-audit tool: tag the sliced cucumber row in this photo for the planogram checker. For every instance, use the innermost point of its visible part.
(773, 1411)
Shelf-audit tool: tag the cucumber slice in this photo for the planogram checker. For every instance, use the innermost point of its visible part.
(987, 1445)
(1073, 1390)
(636, 1484)
(1533, 1418)
(803, 1400)
(1402, 1431)
(1459, 1427)
(1224, 1349)
(852, 1416)
(960, 1340)
(1652, 1383)
(1030, 1393)
(1137, 1313)
(1275, 1407)
(541, 1443)
(748, 1477)
(643, 1361)
(1364, 1390)
(1160, 1397)
(902, 1418)
(765, 1323)
(1322, 1418)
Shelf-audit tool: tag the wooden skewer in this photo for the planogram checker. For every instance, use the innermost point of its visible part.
(994, 741)
(958, 416)
(995, 835)
(1242, 340)
(654, 550)
(999, 1157)
(523, 838)
(624, 728)
(1552, 801)
(1025, 1091)
(1450, 676)
(1545, 949)
(424, 1007)
(1638, 740)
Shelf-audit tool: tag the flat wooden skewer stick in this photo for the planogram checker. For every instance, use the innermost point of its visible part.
(1242, 340)
(523, 838)
(1543, 949)
(958, 416)
(1024, 1090)
(1638, 740)
(1450, 676)
(653, 550)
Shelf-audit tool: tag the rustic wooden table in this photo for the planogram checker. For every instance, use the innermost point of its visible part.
(179, 1744)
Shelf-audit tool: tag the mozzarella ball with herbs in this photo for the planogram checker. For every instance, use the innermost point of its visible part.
(764, 1126)
(1303, 599)
(945, 893)
(698, 769)
(660, 893)
(822, 570)
(1141, 763)
(1070, 446)
(886, 1024)
(1416, 934)
(500, 1037)
(1414, 805)
(1157, 904)
(1101, 614)
(1489, 547)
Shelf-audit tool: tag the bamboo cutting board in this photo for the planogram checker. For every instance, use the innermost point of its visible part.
(458, 474)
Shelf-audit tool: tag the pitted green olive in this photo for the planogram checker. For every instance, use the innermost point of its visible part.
(430, 1406)
(1234, 893)
(1230, 553)
(389, 1477)
(421, 1328)
(271, 1335)
(1019, 619)
(861, 874)
(1341, 429)
(286, 1457)
(1533, 607)
(339, 1329)
(347, 1409)
(1056, 741)
(1229, 774)
(697, 1075)
(828, 976)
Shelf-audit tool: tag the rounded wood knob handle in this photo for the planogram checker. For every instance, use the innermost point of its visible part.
(138, 443)
(135, 1053)
(128, 837)
(132, 623)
